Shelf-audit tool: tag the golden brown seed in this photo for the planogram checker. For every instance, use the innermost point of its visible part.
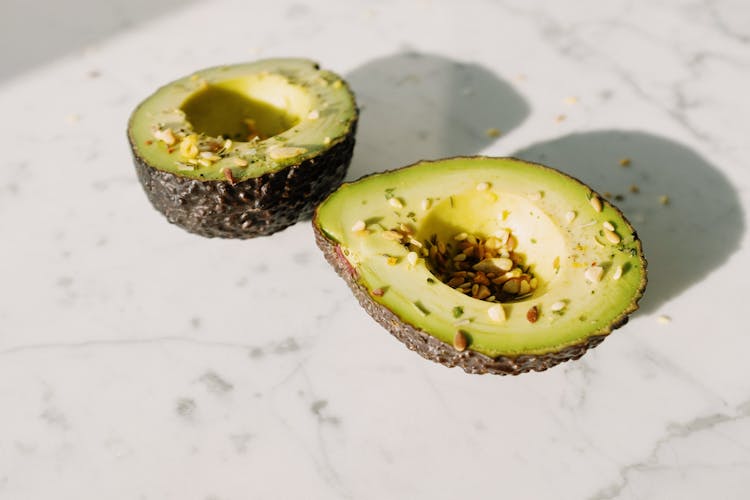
(228, 175)
(483, 292)
(532, 315)
(378, 292)
(512, 286)
(474, 290)
(455, 281)
(460, 342)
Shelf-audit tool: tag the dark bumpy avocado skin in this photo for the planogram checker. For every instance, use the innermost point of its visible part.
(433, 349)
(254, 207)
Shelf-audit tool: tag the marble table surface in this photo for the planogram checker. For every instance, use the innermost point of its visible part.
(140, 362)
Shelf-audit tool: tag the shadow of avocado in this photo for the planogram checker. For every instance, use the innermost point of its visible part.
(417, 106)
(684, 240)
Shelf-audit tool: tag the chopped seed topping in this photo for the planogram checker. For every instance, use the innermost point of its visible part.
(165, 135)
(664, 319)
(392, 261)
(532, 315)
(617, 274)
(359, 226)
(240, 162)
(494, 264)
(460, 236)
(426, 203)
(184, 166)
(314, 114)
(378, 292)
(460, 343)
(483, 186)
(612, 236)
(337, 84)
(625, 162)
(634, 188)
(326, 140)
(560, 118)
(412, 258)
(594, 273)
(396, 203)
(228, 175)
(496, 313)
(492, 132)
(570, 216)
(557, 306)
(664, 199)
(596, 203)
(608, 225)
(570, 100)
(284, 152)
(392, 235)
(460, 257)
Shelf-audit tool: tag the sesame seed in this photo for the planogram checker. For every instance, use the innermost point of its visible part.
(326, 140)
(426, 203)
(570, 100)
(557, 306)
(664, 319)
(496, 313)
(617, 274)
(625, 162)
(664, 199)
(493, 132)
(483, 186)
(460, 236)
(594, 273)
(359, 226)
(240, 162)
(612, 236)
(570, 216)
(392, 235)
(608, 225)
(634, 188)
(378, 292)
(596, 203)
(395, 203)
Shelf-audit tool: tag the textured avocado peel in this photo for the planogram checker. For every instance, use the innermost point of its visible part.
(451, 329)
(245, 150)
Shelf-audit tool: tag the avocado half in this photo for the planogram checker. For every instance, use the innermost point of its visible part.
(495, 265)
(244, 150)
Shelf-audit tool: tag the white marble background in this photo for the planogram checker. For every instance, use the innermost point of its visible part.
(140, 362)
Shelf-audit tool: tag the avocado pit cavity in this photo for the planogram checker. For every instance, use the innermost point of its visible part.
(485, 268)
(232, 110)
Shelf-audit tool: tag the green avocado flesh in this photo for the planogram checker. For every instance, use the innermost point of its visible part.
(586, 266)
(243, 121)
